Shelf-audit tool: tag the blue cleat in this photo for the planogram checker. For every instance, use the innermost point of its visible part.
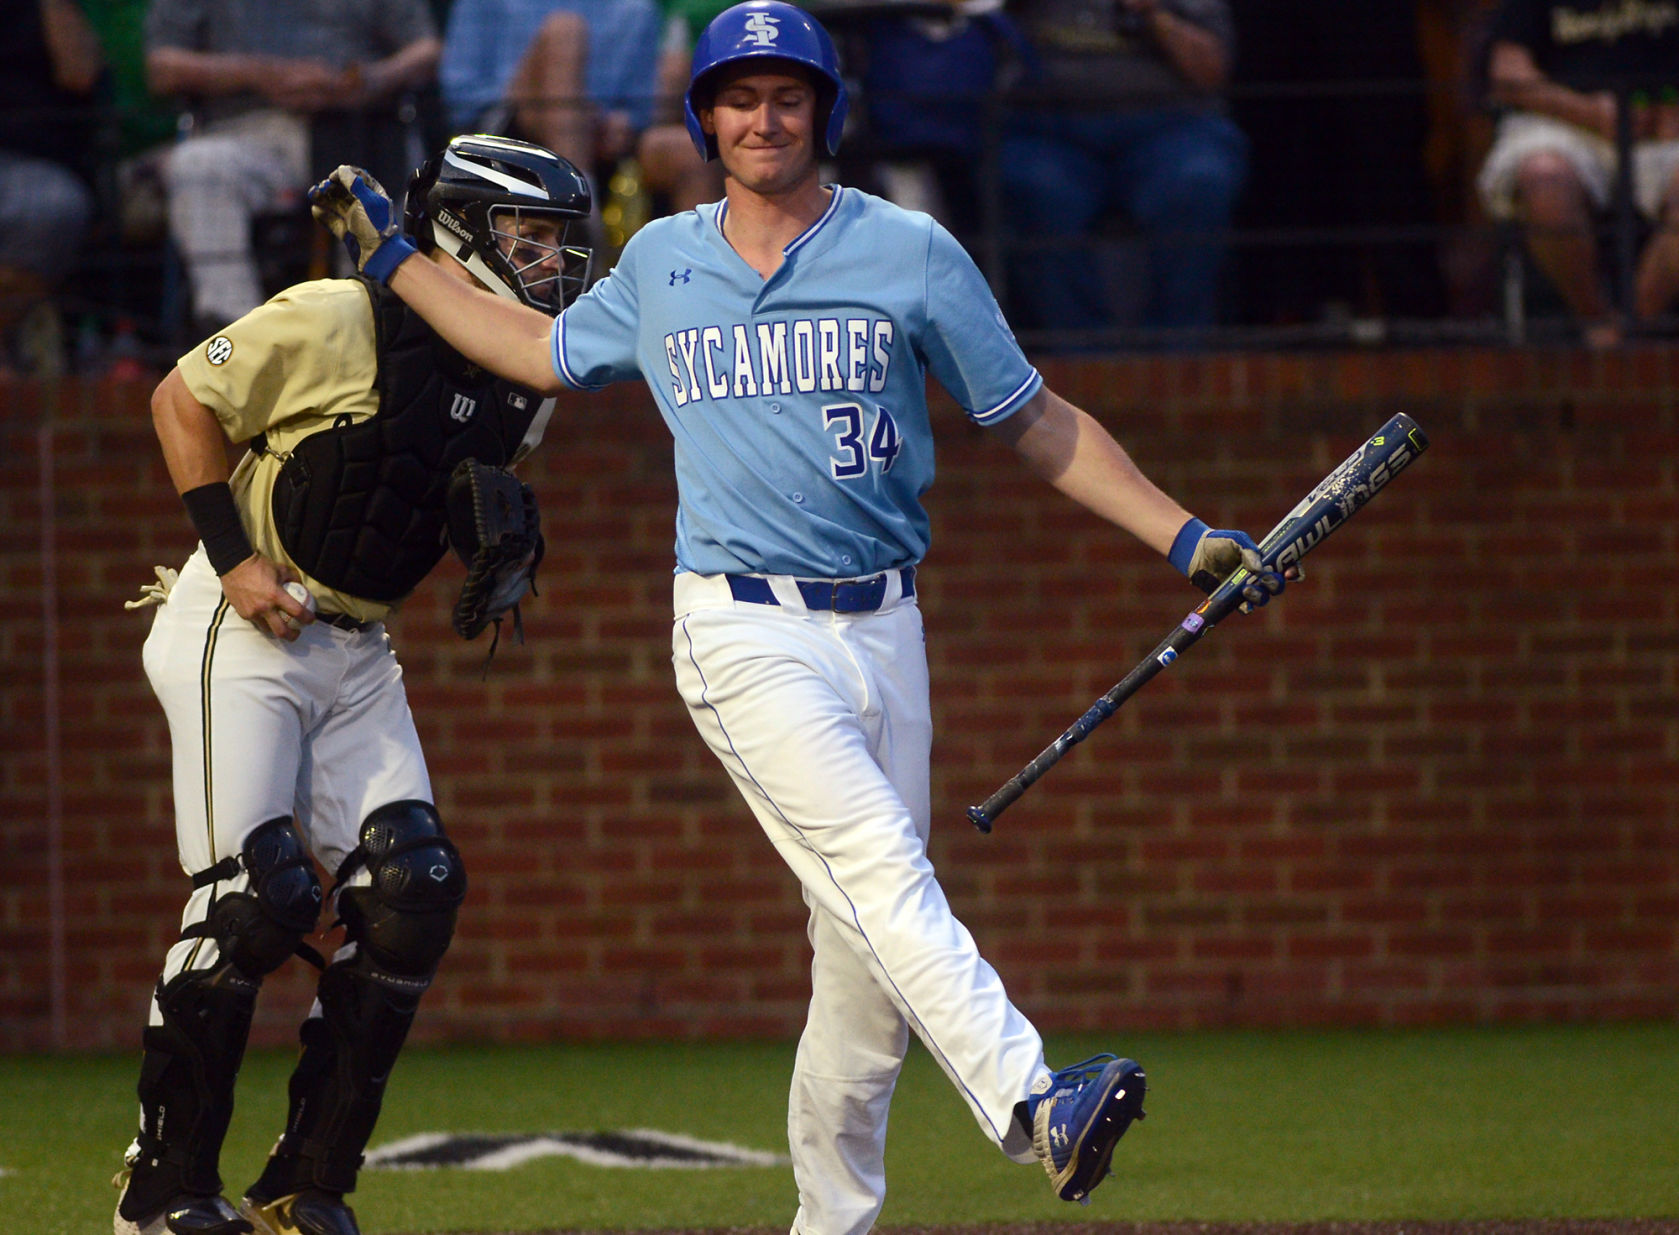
(1079, 1118)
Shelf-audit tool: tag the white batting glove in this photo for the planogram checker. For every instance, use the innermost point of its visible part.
(155, 593)
(354, 207)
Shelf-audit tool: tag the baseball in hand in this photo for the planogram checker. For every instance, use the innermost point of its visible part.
(301, 595)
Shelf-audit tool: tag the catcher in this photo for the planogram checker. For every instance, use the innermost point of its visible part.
(371, 444)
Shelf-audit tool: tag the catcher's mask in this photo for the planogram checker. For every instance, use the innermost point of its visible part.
(507, 211)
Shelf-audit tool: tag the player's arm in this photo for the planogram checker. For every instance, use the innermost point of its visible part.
(505, 337)
(1068, 448)
(195, 451)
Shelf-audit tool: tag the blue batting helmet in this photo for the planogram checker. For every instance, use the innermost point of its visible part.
(771, 29)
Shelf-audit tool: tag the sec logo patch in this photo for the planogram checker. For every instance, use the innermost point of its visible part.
(219, 350)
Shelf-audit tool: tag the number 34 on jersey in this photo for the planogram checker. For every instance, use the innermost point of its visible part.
(804, 356)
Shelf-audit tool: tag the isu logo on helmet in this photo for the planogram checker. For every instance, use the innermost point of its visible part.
(761, 29)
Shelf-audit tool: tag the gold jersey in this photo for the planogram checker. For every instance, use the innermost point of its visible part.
(292, 367)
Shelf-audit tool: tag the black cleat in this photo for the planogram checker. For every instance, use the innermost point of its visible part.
(186, 1215)
(310, 1212)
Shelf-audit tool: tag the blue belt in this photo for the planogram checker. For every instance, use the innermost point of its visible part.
(845, 596)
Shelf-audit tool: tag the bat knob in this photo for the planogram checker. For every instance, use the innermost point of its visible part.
(978, 817)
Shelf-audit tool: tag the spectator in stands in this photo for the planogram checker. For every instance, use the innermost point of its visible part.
(279, 89)
(1554, 68)
(142, 120)
(1122, 111)
(671, 168)
(1451, 44)
(929, 82)
(135, 137)
(576, 76)
(50, 64)
(543, 71)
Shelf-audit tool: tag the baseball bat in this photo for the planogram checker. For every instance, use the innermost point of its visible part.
(1336, 498)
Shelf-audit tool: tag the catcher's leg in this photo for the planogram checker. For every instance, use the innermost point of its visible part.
(192, 1058)
(399, 916)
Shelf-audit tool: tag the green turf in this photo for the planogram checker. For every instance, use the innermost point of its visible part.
(1579, 1121)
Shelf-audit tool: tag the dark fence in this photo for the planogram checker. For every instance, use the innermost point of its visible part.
(1352, 229)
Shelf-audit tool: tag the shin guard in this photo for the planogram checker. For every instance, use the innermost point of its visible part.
(400, 924)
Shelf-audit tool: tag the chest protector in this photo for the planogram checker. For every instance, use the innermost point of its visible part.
(360, 506)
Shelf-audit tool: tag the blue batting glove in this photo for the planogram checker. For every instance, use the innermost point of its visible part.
(1209, 556)
(354, 207)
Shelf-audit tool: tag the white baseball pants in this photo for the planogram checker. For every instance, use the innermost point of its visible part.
(824, 723)
(318, 729)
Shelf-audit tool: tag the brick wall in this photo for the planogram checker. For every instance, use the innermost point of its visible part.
(1439, 782)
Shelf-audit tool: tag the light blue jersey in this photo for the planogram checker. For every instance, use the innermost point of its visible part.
(799, 403)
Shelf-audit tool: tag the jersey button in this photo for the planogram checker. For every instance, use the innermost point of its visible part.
(799, 497)
(775, 407)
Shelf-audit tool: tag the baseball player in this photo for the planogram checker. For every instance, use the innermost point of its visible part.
(785, 333)
(292, 737)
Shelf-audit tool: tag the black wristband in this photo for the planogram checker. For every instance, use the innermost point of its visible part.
(211, 509)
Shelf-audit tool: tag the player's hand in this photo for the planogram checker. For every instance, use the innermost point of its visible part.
(256, 588)
(1217, 553)
(353, 206)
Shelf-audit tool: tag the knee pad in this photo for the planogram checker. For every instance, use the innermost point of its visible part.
(401, 923)
(259, 929)
(405, 918)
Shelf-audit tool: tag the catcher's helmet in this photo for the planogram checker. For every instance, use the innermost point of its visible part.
(771, 29)
(470, 200)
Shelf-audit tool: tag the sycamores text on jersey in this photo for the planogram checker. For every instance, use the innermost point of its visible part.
(801, 356)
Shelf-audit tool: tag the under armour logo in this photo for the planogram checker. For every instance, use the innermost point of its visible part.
(1058, 1137)
(462, 408)
(761, 29)
(684, 275)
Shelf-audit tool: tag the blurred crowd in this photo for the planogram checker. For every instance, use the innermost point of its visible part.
(1139, 173)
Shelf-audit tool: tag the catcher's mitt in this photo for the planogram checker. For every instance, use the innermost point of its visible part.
(495, 528)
